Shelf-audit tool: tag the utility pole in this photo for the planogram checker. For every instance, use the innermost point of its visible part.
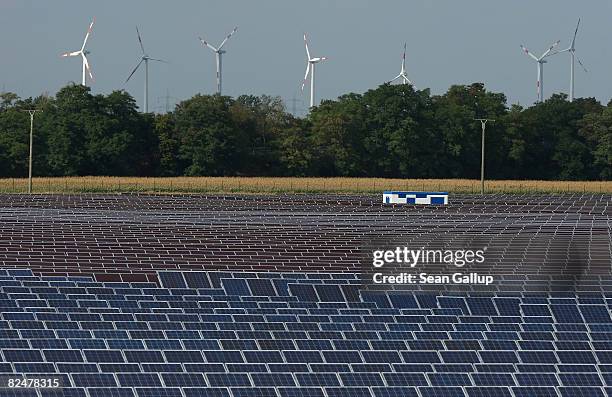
(32, 112)
(483, 123)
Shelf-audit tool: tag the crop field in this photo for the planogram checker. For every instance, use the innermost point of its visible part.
(290, 185)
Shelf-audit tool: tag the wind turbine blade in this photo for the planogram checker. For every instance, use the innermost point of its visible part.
(547, 53)
(134, 71)
(140, 41)
(207, 44)
(581, 64)
(71, 54)
(88, 33)
(404, 58)
(575, 34)
(306, 75)
(306, 44)
(397, 77)
(87, 66)
(526, 51)
(228, 37)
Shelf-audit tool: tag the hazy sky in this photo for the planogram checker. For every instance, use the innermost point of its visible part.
(449, 42)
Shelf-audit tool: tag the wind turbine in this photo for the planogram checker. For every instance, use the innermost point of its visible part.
(541, 61)
(145, 58)
(403, 75)
(83, 53)
(219, 54)
(310, 68)
(572, 49)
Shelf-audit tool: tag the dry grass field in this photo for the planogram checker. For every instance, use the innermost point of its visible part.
(289, 185)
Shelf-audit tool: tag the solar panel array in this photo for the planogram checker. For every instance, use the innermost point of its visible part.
(130, 237)
(132, 295)
(273, 334)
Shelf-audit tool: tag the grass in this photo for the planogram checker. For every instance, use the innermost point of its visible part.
(289, 185)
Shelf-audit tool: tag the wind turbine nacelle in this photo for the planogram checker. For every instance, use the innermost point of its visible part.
(221, 52)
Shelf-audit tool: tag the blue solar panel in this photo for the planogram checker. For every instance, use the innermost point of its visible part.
(94, 380)
(348, 392)
(143, 356)
(223, 356)
(254, 392)
(330, 293)
(196, 279)
(274, 379)
(139, 380)
(234, 286)
(187, 356)
(105, 392)
(208, 391)
(361, 379)
(15, 355)
(159, 392)
(261, 287)
(405, 379)
(103, 356)
(228, 380)
(301, 392)
(172, 279)
(595, 314)
(303, 292)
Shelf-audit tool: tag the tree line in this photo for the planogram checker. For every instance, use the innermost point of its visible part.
(391, 131)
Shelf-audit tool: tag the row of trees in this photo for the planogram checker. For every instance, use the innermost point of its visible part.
(390, 131)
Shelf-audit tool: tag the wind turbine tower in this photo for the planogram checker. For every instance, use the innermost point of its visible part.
(403, 75)
(144, 58)
(572, 50)
(541, 60)
(219, 56)
(310, 69)
(83, 53)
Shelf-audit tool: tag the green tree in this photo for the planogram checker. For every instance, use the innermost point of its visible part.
(210, 142)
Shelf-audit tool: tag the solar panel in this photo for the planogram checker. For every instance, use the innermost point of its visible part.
(196, 279)
(139, 380)
(172, 279)
(317, 379)
(303, 292)
(228, 380)
(143, 356)
(159, 392)
(183, 356)
(361, 379)
(208, 391)
(228, 356)
(329, 293)
(234, 286)
(405, 379)
(15, 355)
(301, 392)
(103, 356)
(272, 379)
(106, 392)
(94, 380)
(348, 392)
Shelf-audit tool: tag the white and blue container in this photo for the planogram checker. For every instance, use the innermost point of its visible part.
(427, 198)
